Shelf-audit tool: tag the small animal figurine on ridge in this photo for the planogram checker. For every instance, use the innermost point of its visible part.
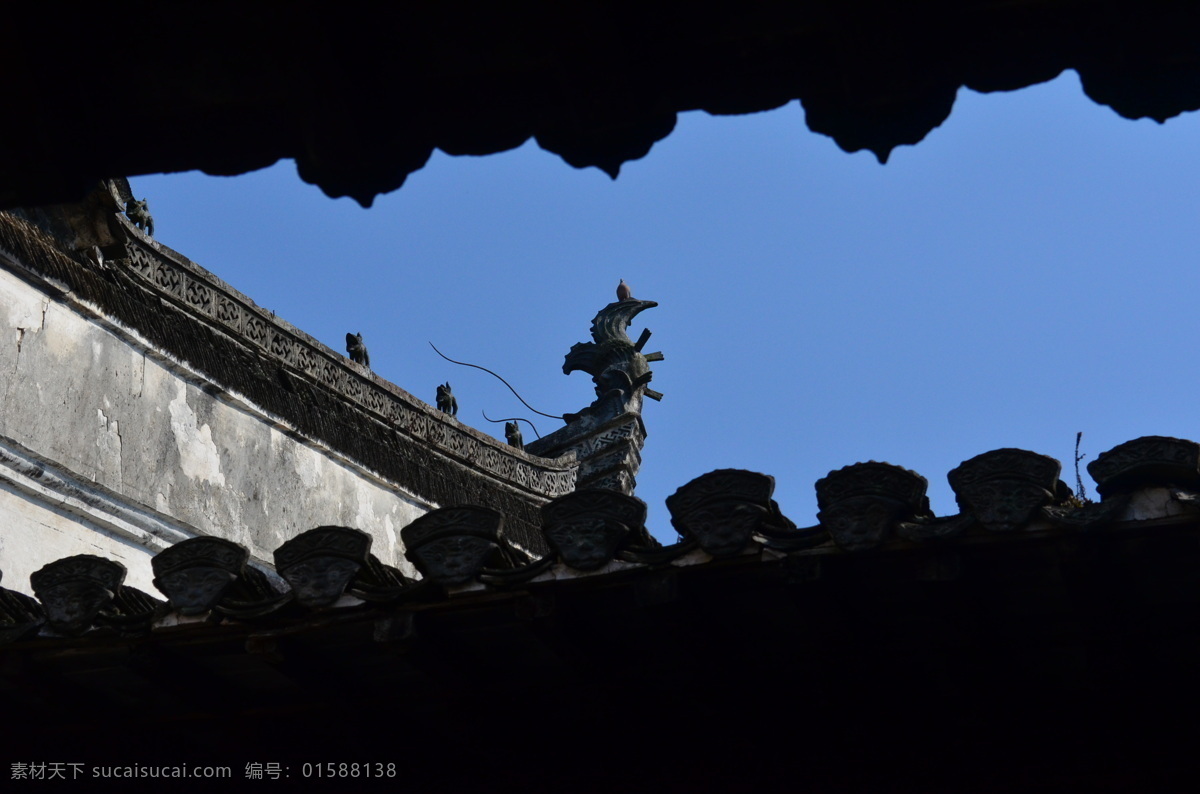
(624, 293)
(357, 350)
(445, 399)
(513, 434)
(138, 213)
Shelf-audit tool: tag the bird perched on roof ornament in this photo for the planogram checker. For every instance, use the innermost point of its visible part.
(624, 293)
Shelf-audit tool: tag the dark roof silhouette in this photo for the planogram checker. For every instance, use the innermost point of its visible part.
(1031, 640)
(361, 100)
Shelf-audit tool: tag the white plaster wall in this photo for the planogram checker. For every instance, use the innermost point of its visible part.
(34, 533)
(96, 403)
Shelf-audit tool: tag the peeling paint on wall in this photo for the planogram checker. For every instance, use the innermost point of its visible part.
(198, 455)
(108, 440)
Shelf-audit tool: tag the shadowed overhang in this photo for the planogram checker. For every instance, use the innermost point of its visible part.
(360, 101)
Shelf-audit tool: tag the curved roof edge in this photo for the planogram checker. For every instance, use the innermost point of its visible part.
(195, 317)
(364, 105)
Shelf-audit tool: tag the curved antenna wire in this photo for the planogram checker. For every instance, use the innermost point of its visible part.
(513, 419)
(502, 380)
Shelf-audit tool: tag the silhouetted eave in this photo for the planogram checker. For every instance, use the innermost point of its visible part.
(361, 102)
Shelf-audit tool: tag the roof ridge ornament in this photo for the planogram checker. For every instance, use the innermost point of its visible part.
(863, 505)
(1005, 489)
(320, 563)
(1147, 460)
(588, 528)
(607, 436)
(453, 545)
(615, 361)
(725, 509)
(195, 573)
(75, 590)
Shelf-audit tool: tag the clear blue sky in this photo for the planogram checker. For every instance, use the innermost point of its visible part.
(1026, 272)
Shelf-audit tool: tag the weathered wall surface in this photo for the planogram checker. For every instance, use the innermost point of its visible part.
(37, 528)
(92, 401)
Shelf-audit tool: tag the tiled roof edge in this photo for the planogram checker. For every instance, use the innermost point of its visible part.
(191, 314)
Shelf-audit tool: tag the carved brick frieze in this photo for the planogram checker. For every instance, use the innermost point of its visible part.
(862, 505)
(169, 279)
(609, 458)
(319, 564)
(194, 574)
(621, 481)
(355, 390)
(627, 431)
(373, 400)
(143, 262)
(199, 296)
(306, 358)
(588, 528)
(229, 313)
(1005, 489)
(236, 314)
(256, 331)
(74, 591)
(281, 346)
(453, 545)
(1147, 461)
(621, 458)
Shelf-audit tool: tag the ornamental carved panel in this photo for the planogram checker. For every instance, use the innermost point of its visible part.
(256, 331)
(199, 296)
(281, 345)
(169, 279)
(229, 313)
(142, 262)
(217, 302)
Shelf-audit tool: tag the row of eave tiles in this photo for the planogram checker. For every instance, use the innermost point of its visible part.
(721, 514)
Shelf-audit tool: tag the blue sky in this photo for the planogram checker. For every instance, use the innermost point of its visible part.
(1026, 272)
